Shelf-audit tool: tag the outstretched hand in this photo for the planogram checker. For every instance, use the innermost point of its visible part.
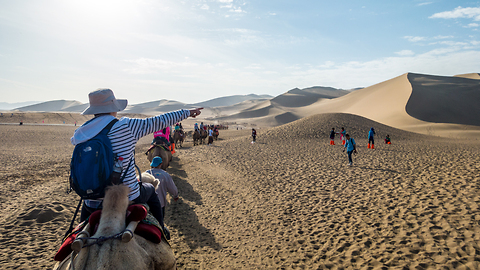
(195, 112)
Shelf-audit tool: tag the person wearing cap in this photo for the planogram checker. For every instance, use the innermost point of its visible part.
(123, 136)
(165, 185)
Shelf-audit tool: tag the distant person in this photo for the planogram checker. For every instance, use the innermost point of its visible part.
(387, 139)
(210, 136)
(371, 140)
(351, 147)
(196, 128)
(332, 136)
(124, 136)
(21, 123)
(165, 184)
(202, 126)
(254, 135)
(342, 135)
(161, 137)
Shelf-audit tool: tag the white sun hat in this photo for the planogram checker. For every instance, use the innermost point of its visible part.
(103, 101)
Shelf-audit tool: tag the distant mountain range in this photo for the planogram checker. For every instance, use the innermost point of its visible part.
(5, 106)
(221, 106)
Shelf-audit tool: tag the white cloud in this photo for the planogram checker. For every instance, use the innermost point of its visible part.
(443, 37)
(205, 7)
(459, 12)
(225, 1)
(414, 39)
(471, 25)
(405, 53)
(453, 43)
(237, 10)
(425, 3)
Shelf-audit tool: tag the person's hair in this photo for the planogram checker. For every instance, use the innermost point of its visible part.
(347, 135)
(100, 114)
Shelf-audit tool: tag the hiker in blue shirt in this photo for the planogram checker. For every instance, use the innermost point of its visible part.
(351, 148)
(371, 133)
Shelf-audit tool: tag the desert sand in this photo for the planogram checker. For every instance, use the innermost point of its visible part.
(288, 201)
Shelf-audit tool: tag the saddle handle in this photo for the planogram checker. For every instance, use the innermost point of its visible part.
(128, 234)
(77, 244)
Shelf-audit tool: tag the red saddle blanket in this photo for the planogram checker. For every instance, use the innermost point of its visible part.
(147, 228)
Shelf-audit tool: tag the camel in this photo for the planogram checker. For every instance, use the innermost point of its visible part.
(160, 151)
(196, 137)
(179, 137)
(203, 136)
(126, 253)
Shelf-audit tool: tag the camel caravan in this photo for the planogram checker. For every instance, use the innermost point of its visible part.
(121, 218)
(202, 132)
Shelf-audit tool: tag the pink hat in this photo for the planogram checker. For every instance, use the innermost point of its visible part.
(104, 101)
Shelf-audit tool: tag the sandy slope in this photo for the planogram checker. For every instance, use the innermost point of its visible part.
(288, 201)
(427, 104)
(403, 101)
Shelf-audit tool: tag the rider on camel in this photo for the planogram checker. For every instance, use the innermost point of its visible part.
(123, 136)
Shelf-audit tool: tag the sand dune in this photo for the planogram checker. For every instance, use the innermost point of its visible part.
(434, 105)
(474, 76)
(52, 106)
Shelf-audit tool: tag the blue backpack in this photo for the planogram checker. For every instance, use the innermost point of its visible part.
(91, 165)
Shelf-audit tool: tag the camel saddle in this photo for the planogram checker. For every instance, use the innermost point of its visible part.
(148, 228)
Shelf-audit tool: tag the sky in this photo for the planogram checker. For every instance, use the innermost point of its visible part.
(195, 50)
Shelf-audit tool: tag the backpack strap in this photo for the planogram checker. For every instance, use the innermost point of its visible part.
(108, 127)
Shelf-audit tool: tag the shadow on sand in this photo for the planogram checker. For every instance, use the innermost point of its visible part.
(182, 216)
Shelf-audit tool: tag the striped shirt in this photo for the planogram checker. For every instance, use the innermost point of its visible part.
(124, 135)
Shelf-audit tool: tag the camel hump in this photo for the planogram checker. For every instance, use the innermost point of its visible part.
(114, 195)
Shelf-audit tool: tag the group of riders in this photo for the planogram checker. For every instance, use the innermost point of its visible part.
(165, 136)
(202, 131)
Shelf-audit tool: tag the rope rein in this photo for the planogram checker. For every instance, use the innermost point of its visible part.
(101, 239)
(98, 241)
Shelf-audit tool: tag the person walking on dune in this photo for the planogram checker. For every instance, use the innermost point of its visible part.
(254, 135)
(342, 135)
(371, 134)
(332, 136)
(351, 147)
(210, 136)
